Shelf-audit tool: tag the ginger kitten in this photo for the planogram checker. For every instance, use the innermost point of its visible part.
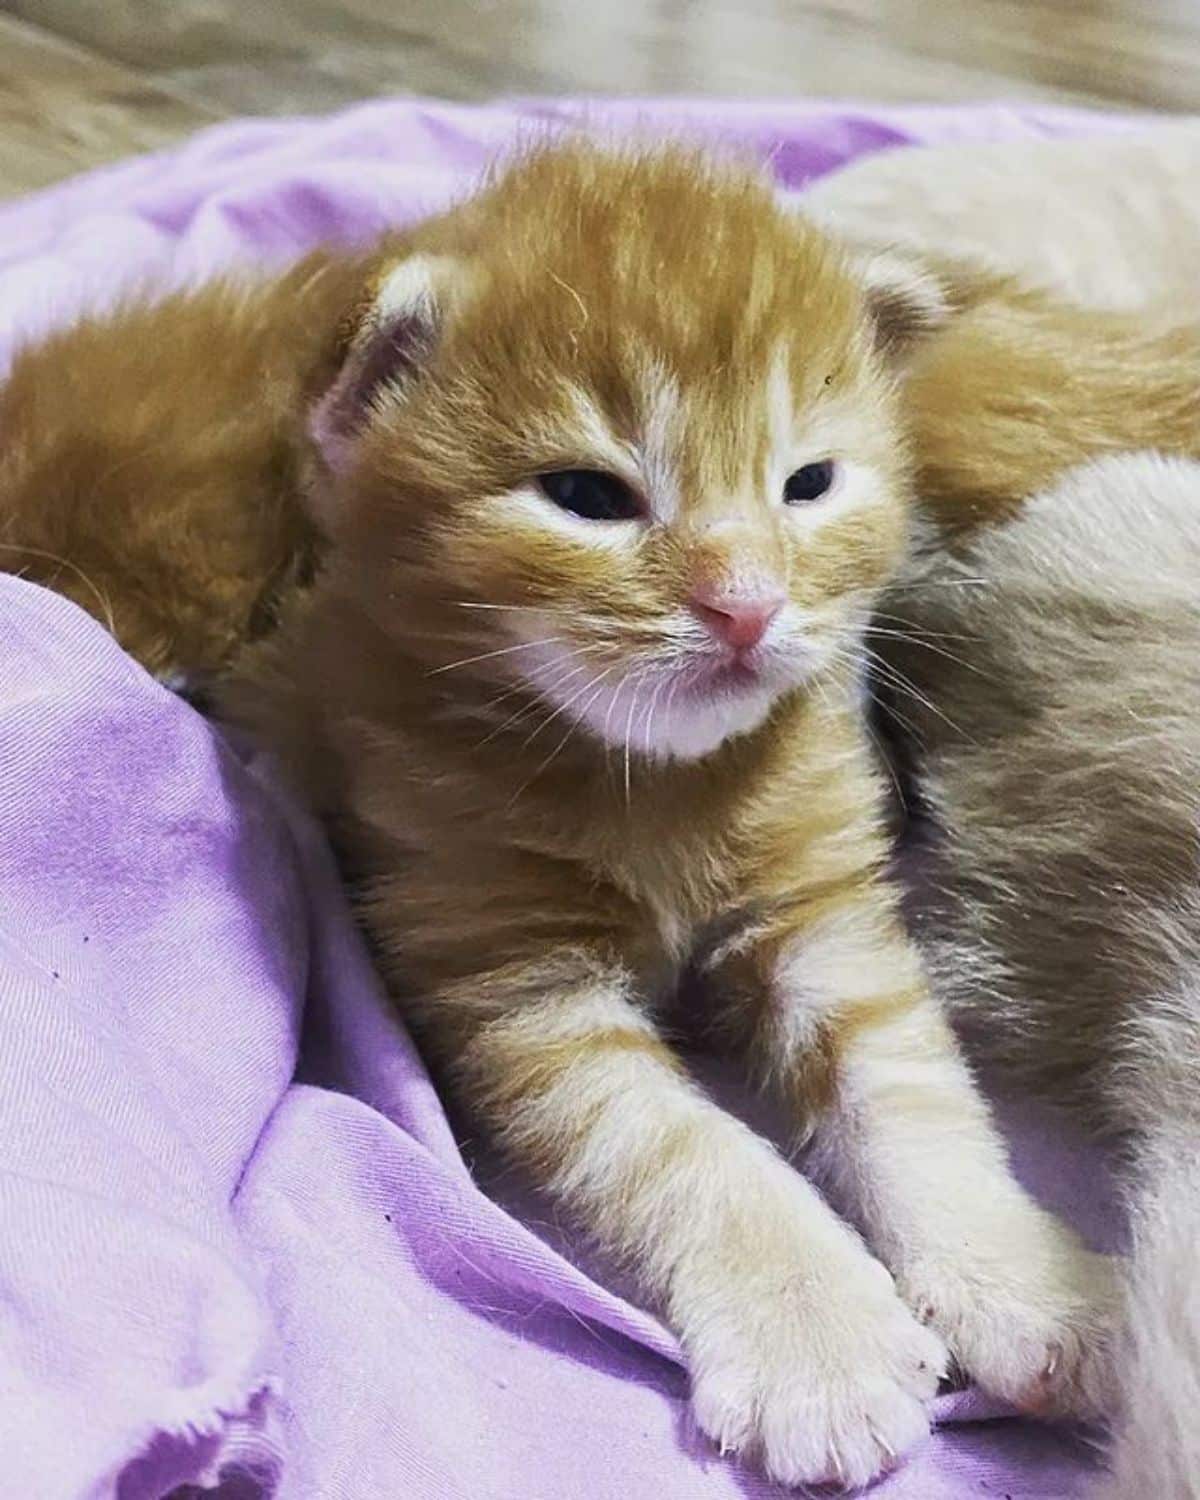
(152, 460)
(615, 472)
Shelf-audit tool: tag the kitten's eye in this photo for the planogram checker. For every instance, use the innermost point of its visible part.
(810, 482)
(592, 494)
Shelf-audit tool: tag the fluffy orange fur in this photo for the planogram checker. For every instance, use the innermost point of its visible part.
(554, 796)
(152, 460)
(552, 790)
(1020, 388)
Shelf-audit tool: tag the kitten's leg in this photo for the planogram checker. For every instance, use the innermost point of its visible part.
(801, 1352)
(908, 1143)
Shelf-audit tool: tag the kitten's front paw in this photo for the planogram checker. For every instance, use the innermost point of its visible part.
(1028, 1311)
(820, 1378)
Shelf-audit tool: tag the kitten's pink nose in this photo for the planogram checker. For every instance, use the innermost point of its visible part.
(739, 619)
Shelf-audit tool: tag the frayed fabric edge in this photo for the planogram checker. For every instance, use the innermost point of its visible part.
(198, 1439)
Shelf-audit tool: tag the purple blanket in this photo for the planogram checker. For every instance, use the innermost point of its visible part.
(240, 1252)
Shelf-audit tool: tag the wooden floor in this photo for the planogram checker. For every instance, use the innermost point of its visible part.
(86, 81)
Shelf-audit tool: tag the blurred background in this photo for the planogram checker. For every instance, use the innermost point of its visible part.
(87, 81)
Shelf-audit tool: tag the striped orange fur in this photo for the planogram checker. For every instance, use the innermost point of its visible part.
(552, 800)
(552, 784)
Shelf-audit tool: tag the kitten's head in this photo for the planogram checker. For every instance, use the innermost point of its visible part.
(624, 431)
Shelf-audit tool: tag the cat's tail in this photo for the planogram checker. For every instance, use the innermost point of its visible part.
(1155, 1450)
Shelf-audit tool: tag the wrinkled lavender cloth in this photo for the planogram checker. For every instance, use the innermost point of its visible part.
(240, 1252)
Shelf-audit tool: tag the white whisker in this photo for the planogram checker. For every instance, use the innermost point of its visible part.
(468, 661)
(520, 609)
(886, 762)
(927, 645)
(570, 290)
(65, 562)
(563, 707)
(650, 713)
(614, 699)
(542, 688)
(910, 626)
(637, 693)
(919, 585)
(571, 728)
(896, 679)
(524, 684)
(670, 703)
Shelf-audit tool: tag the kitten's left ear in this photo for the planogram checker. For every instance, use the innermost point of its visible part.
(906, 300)
(389, 341)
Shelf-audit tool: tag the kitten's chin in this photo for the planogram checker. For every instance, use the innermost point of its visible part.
(669, 721)
(699, 727)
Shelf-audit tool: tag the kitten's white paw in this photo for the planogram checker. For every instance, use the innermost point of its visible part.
(1028, 1311)
(819, 1378)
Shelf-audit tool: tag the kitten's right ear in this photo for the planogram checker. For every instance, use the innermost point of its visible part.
(389, 342)
(912, 295)
(906, 300)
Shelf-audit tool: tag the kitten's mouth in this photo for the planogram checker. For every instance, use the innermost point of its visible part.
(723, 676)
